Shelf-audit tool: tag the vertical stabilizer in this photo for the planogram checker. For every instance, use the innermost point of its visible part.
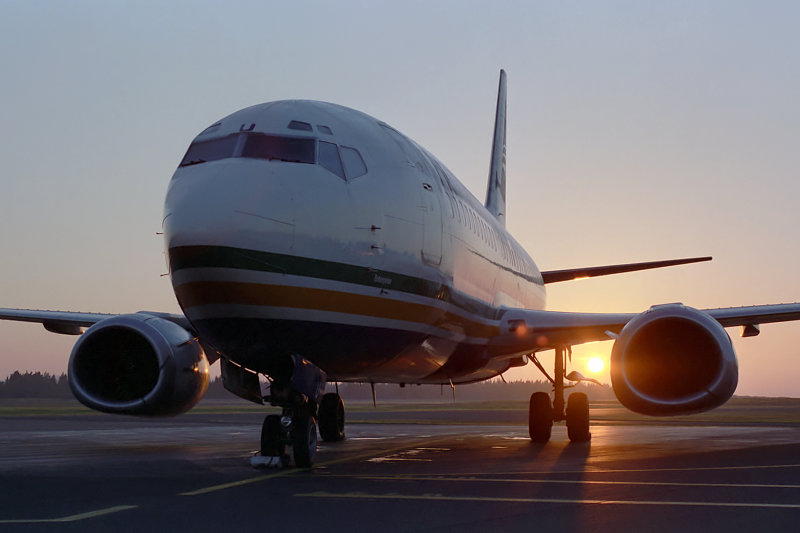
(496, 190)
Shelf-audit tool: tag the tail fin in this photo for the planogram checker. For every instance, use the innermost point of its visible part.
(496, 190)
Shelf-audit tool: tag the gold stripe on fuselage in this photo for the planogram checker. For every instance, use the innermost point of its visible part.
(199, 293)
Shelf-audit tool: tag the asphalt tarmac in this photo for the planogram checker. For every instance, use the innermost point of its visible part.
(83, 472)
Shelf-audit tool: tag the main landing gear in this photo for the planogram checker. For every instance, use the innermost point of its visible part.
(331, 417)
(542, 413)
(291, 437)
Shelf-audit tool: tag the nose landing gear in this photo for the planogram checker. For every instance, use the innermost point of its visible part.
(291, 437)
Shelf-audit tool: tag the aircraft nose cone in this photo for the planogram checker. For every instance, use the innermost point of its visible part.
(237, 205)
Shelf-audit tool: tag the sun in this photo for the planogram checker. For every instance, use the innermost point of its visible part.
(595, 364)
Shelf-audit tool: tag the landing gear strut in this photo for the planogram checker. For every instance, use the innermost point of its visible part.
(542, 414)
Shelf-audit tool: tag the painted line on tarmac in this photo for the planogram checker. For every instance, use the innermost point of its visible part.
(596, 470)
(443, 497)
(686, 469)
(241, 482)
(71, 518)
(290, 471)
(581, 482)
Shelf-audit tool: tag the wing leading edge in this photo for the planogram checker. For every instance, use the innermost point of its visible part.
(553, 276)
(73, 323)
(524, 331)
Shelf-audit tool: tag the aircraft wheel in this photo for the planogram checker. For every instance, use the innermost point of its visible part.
(304, 440)
(331, 417)
(578, 417)
(540, 417)
(271, 437)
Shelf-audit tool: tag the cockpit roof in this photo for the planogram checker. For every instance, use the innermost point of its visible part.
(286, 116)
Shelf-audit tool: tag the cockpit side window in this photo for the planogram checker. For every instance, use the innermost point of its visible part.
(329, 158)
(210, 150)
(354, 165)
(275, 147)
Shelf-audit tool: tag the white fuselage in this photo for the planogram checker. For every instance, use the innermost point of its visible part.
(380, 268)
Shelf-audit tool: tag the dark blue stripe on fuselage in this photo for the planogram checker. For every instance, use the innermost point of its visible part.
(343, 351)
(263, 345)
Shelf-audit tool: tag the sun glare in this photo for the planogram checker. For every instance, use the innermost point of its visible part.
(595, 364)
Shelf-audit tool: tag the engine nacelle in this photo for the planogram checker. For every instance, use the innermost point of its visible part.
(672, 360)
(138, 364)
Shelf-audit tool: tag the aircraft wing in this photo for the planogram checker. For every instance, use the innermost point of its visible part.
(72, 323)
(554, 276)
(756, 314)
(525, 331)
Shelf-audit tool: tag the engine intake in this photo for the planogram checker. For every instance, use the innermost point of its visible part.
(671, 360)
(138, 364)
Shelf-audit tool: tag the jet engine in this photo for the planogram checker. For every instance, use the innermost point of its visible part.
(138, 364)
(672, 360)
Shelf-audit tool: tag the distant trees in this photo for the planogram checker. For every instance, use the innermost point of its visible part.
(35, 385)
(494, 390)
(44, 385)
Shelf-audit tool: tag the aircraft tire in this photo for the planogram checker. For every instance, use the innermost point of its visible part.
(540, 417)
(271, 438)
(304, 440)
(331, 418)
(578, 417)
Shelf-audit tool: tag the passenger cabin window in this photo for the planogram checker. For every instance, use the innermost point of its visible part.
(354, 165)
(274, 147)
(297, 125)
(329, 158)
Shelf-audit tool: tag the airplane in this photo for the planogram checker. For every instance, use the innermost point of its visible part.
(310, 243)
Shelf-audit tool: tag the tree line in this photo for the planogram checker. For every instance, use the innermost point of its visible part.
(35, 385)
(45, 385)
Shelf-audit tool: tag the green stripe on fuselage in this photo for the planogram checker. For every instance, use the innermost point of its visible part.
(184, 257)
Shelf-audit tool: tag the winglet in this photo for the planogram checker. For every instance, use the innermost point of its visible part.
(496, 189)
(552, 276)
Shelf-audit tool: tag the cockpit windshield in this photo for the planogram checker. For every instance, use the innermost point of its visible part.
(291, 149)
(254, 146)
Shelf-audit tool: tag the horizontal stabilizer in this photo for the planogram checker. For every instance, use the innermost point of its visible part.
(553, 276)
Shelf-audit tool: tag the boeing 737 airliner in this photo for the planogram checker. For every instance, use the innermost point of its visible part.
(311, 243)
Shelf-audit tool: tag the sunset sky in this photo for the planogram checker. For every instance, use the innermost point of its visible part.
(636, 131)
